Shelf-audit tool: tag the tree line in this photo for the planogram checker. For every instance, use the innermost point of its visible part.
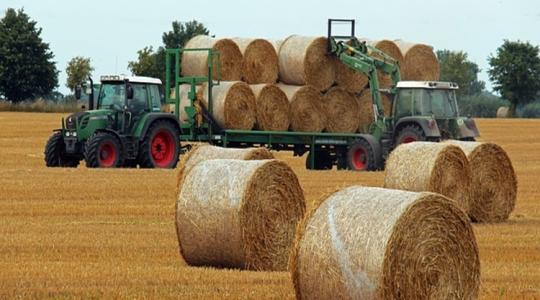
(28, 71)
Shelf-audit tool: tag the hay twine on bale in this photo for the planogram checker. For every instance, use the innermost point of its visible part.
(434, 167)
(195, 63)
(260, 60)
(239, 214)
(365, 109)
(306, 108)
(341, 110)
(272, 105)
(374, 243)
(494, 181)
(305, 61)
(233, 104)
(419, 61)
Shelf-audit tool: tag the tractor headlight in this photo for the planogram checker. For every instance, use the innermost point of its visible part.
(74, 134)
(67, 133)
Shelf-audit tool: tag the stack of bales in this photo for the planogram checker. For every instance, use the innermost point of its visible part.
(322, 93)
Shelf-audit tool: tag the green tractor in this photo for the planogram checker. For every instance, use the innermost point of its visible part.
(126, 129)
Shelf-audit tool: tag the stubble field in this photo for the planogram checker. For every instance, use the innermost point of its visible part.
(80, 233)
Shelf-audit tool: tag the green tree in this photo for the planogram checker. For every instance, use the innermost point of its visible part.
(455, 67)
(515, 72)
(27, 69)
(78, 69)
(145, 65)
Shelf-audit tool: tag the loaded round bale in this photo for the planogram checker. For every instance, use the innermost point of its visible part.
(239, 214)
(419, 62)
(365, 109)
(184, 101)
(494, 180)
(272, 106)
(341, 110)
(433, 167)
(259, 62)
(502, 112)
(347, 78)
(306, 108)
(305, 61)
(375, 243)
(233, 104)
(195, 63)
(390, 48)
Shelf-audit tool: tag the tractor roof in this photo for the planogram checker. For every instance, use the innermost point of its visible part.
(137, 79)
(428, 85)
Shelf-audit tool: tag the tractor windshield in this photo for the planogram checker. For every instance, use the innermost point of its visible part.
(112, 95)
(439, 103)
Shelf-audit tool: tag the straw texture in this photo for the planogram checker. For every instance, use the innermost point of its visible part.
(184, 101)
(260, 60)
(374, 243)
(272, 107)
(391, 49)
(434, 167)
(195, 63)
(305, 61)
(341, 110)
(238, 214)
(419, 62)
(306, 108)
(365, 109)
(233, 104)
(494, 181)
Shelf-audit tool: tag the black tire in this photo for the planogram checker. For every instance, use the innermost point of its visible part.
(160, 147)
(361, 157)
(323, 161)
(103, 150)
(410, 133)
(55, 153)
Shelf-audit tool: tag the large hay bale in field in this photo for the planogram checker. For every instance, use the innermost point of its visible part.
(435, 167)
(272, 107)
(494, 181)
(233, 104)
(341, 110)
(374, 243)
(390, 48)
(239, 214)
(365, 109)
(502, 112)
(259, 62)
(306, 108)
(419, 61)
(305, 61)
(195, 63)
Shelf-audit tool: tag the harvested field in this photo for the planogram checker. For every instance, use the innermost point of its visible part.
(80, 233)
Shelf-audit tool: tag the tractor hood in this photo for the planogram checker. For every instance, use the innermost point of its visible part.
(86, 122)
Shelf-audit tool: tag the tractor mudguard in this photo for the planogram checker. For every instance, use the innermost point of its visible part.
(428, 125)
(467, 128)
(150, 118)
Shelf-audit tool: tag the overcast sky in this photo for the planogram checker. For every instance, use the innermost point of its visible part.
(111, 32)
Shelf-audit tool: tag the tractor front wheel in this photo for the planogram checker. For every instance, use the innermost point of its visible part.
(55, 153)
(160, 147)
(103, 151)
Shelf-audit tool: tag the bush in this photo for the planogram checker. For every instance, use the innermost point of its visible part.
(531, 110)
(41, 105)
(483, 105)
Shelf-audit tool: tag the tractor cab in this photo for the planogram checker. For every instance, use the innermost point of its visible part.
(428, 110)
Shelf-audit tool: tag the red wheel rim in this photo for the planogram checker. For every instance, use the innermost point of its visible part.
(163, 148)
(107, 154)
(408, 139)
(359, 159)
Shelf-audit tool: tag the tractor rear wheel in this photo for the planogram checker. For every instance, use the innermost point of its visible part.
(361, 156)
(55, 153)
(409, 134)
(160, 147)
(103, 150)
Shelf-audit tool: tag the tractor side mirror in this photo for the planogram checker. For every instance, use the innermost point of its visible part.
(129, 90)
(78, 92)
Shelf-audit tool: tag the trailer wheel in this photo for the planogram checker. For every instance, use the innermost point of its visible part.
(103, 150)
(409, 134)
(361, 156)
(55, 154)
(160, 147)
(323, 160)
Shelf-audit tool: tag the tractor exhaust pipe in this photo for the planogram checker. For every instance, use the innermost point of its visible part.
(91, 96)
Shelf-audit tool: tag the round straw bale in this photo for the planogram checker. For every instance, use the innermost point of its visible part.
(419, 62)
(305, 61)
(239, 214)
(502, 112)
(306, 108)
(272, 107)
(494, 181)
(349, 79)
(233, 104)
(260, 60)
(341, 110)
(184, 101)
(434, 167)
(374, 243)
(365, 109)
(390, 48)
(195, 63)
